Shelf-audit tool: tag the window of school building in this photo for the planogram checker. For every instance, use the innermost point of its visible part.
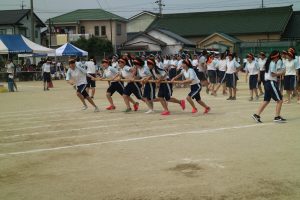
(96, 30)
(119, 29)
(82, 30)
(103, 30)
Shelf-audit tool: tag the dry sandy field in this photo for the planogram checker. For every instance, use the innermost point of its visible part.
(51, 149)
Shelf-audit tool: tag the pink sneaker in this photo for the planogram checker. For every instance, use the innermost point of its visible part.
(206, 110)
(194, 110)
(182, 104)
(136, 106)
(165, 113)
(111, 108)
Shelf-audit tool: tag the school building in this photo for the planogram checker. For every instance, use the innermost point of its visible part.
(241, 31)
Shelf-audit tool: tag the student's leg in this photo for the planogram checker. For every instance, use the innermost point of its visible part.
(190, 100)
(164, 104)
(174, 100)
(15, 85)
(234, 92)
(109, 98)
(256, 92)
(262, 107)
(91, 101)
(80, 96)
(204, 105)
(126, 100)
(251, 94)
(278, 108)
(93, 91)
(230, 91)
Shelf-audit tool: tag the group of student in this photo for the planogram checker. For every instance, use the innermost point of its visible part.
(142, 76)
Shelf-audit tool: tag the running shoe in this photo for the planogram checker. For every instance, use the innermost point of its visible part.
(182, 104)
(84, 107)
(194, 110)
(96, 109)
(136, 106)
(206, 110)
(233, 98)
(149, 111)
(165, 113)
(256, 118)
(251, 99)
(111, 107)
(256, 98)
(279, 119)
(230, 98)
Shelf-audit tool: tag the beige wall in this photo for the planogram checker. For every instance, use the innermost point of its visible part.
(140, 23)
(215, 38)
(111, 30)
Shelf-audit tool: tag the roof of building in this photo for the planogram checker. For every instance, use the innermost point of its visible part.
(293, 27)
(141, 13)
(223, 35)
(8, 17)
(86, 14)
(176, 37)
(143, 34)
(234, 22)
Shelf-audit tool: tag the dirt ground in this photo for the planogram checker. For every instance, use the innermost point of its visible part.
(51, 149)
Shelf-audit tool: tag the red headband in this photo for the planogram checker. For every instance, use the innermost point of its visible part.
(105, 61)
(151, 62)
(275, 56)
(250, 56)
(137, 62)
(122, 60)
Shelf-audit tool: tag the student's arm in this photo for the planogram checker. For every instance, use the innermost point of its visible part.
(68, 78)
(178, 76)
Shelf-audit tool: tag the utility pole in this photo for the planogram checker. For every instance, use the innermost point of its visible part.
(32, 21)
(160, 6)
(22, 5)
(50, 33)
(262, 4)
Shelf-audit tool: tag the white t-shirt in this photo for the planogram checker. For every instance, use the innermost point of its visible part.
(91, 67)
(78, 74)
(231, 66)
(110, 72)
(261, 64)
(179, 63)
(252, 68)
(212, 65)
(10, 68)
(191, 75)
(173, 63)
(195, 63)
(126, 73)
(202, 61)
(161, 73)
(144, 72)
(166, 64)
(222, 65)
(291, 67)
(46, 67)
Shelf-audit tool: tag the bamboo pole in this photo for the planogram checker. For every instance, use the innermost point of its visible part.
(149, 81)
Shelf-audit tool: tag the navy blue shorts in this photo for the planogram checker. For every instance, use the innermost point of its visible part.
(221, 77)
(272, 91)
(262, 77)
(115, 87)
(290, 82)
(133, 88)
(82, 90)
(231, 80)
(165, 91)
(213, 76)
(253, 82)
(90, 82)
(47, 77)
(149, 91)
(195, 92)
(201, 76)
(172, 73)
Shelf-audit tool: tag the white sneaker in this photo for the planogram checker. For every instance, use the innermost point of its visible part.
(149, 111)
(84, 107)
(96, 109)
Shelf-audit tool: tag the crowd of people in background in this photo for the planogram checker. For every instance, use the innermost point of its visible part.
(141, 75)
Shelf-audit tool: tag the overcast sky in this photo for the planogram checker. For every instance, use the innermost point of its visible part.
(127, 8)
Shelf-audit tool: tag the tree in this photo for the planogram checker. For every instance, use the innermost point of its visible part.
(95, 46)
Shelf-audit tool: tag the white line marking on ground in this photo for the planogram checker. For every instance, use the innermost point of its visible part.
(131, 139)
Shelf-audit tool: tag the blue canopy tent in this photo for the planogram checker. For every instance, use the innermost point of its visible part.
(17, 44)
(70, 50)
